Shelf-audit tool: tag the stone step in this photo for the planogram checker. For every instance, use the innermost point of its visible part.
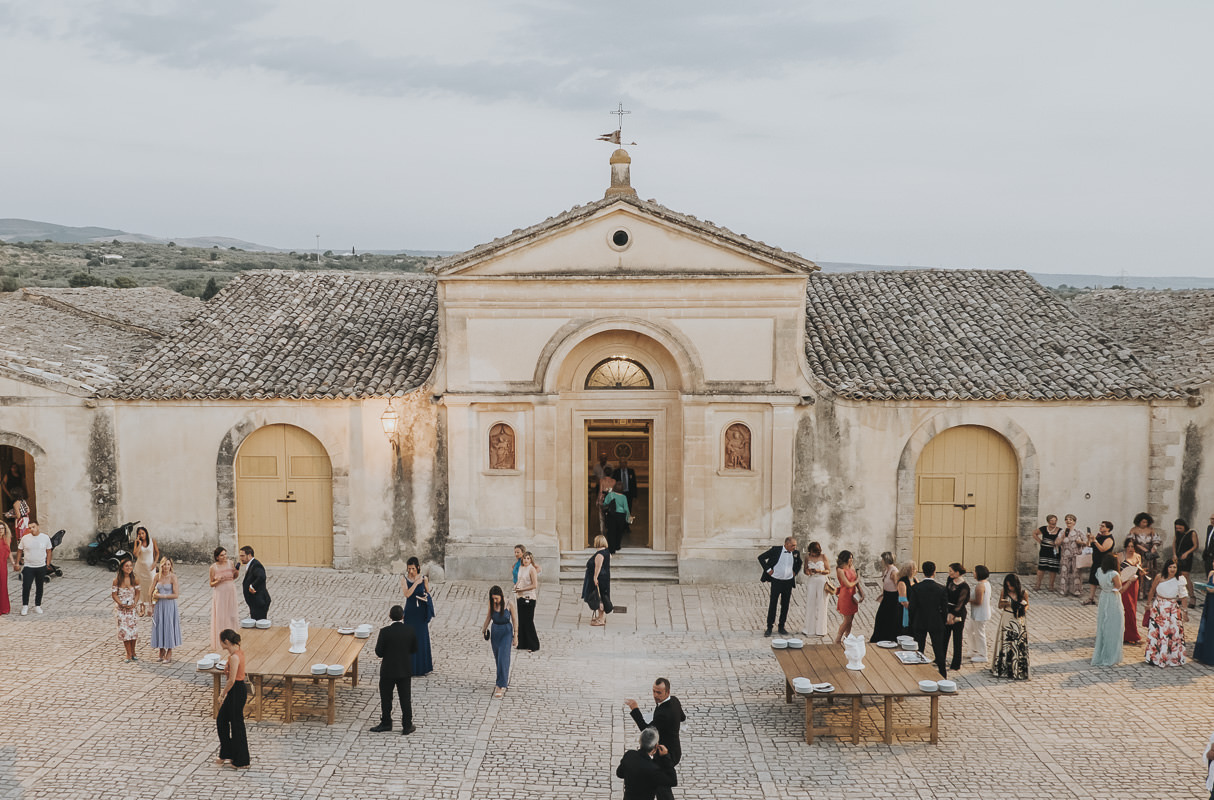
(630, 565)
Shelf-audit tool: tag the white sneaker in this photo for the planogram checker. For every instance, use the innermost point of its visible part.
(25, 610)
(37, 609)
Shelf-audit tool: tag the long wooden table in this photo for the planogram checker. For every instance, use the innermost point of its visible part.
(267, 656)
(883, 676)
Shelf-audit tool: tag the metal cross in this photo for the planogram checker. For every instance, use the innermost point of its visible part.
(620, 112)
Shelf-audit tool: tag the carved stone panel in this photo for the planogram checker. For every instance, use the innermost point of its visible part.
(501, 446)
(737, 447)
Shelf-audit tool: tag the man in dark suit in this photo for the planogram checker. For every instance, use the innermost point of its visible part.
(928, 603)
(255, 592)
(780, 568)
(1207, 552)
(667, 717)
(626, 482)
(646, 770)
(395, 646)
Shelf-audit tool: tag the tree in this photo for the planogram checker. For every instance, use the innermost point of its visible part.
(125, 282)
(211, 290)
(8, 284)
(82, 279)
(214, 256)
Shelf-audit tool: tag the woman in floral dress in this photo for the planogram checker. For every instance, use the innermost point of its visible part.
(1169, 599)
(124, 592)
(1070, 577)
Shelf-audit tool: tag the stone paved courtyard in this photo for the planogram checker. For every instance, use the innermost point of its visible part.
(79, 723)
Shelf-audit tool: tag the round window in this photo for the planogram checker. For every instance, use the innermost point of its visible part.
(620, 239)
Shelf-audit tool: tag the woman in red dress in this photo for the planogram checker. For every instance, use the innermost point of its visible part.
(849, 588)
(1129, 597)
(6, 555)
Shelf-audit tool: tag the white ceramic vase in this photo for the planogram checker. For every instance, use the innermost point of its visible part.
(854, 648)
(299, 636)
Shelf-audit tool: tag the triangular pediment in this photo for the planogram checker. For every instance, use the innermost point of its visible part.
(623, 235)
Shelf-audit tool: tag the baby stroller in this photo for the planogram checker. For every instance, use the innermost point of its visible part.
(110, 547)
(52, 570)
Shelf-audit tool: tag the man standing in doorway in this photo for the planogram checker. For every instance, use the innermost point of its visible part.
(780, 568)
(626, 484)
(667, 718)
(36, 549)
(255, 592)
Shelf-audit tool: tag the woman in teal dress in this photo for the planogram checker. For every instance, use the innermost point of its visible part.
(1110, 616)
(419, 610)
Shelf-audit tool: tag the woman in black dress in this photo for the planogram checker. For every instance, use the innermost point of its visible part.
(1183, 548)
(957, 593)
(1048, 554)
(596, 586)
(1101, 544)
(887, 625)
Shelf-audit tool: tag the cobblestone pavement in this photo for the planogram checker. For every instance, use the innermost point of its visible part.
(79, 723)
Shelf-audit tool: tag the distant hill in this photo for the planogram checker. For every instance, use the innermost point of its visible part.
(1055, 280)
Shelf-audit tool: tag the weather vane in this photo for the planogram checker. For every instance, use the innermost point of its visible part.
(614, 136)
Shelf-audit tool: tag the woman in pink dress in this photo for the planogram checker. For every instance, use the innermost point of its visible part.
(1129, 596)
(225, 611)
(6, 563)
(849, 587)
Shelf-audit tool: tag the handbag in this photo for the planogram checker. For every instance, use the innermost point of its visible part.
(593, 599)
(830, 588)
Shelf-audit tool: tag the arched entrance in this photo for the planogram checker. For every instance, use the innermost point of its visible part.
(967, 500)
(284, 497)
(17, 478)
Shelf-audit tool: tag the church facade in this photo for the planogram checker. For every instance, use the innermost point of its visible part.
(353, 420)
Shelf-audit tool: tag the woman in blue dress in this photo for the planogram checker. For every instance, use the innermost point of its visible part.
(1203, 650)
(166, 619)
(1110, 616)
(419, 610)
(502, 637)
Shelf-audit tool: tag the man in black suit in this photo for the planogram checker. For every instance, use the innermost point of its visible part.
(647, 770)
(255, 592)
(667, 717)
(780, 568)
(928, 603)
(1207, 552)
(395, 646)
(626, 482)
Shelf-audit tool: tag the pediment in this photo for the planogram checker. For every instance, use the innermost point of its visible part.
(623, 235)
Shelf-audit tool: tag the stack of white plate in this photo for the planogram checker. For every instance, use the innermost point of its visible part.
(928, 686)
(336, 669)
(248, 622)
(947, 686)
(206, 662)
(362, 632)
(779, 644)
(795, 644)
(887, 644)
(263, 623)
(802, 685)
(319, 669)
(909, 645)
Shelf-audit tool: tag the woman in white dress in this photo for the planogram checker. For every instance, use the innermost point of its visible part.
(816, 572)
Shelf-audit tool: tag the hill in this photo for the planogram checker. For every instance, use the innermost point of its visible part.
(1058, 280)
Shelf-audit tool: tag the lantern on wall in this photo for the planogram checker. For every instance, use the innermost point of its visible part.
(389, 421)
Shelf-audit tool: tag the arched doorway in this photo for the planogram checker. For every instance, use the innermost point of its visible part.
(17, 479)
(284, 497)
(967, 500)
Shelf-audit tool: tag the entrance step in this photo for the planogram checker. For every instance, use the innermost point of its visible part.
(630, 565)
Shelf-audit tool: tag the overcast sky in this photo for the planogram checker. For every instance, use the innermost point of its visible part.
(1049, 136)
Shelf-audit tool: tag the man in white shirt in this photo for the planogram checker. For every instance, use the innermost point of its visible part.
(35, 548)
(780, 568)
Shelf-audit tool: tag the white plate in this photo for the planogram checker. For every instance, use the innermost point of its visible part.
(336, 669)
(319, 669)
(221, 665)
(947, 686)
(361, 635)
(779, 644)
(910, 646)
(904, 639)
(248, 623)
(263, 623)
(823, 688)
(802, 682)
(345, 631)
(213, 656)
(887, 644)
(928, 686)
(205, 663)
(796, 644)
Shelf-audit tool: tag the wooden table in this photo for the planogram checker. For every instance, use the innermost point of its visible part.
(267, 656)
(883, 676)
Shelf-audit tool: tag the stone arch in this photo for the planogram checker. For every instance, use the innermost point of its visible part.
(20, 442)
(1022, 445)
(225, 481)
(671, 360)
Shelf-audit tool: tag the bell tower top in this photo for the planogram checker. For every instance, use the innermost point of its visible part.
(621, 180)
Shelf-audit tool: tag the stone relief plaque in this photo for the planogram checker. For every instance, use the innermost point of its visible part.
(737, 447)
(501, 446)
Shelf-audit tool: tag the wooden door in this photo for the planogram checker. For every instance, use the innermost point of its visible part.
(284, 497)
(967, 500)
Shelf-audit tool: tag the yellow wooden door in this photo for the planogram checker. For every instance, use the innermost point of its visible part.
(967, 500)
(284, 498)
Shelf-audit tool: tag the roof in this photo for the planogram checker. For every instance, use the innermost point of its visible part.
(84, 340)
(149, 308)
(279, 334)
(721, 235)
(1171, 331)
(961, 334)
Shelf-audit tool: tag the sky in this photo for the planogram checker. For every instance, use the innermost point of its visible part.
(1054, 137)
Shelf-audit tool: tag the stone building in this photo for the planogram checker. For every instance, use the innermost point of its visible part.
(352, 419)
